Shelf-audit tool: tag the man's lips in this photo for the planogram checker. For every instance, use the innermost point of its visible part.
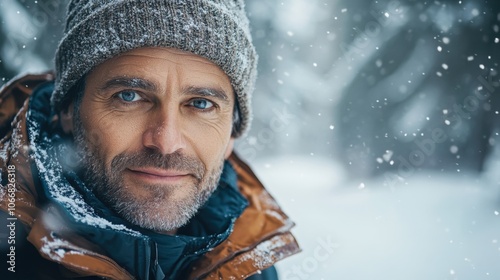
(157, 174)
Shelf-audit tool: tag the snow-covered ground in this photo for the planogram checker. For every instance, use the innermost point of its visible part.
(429, 227)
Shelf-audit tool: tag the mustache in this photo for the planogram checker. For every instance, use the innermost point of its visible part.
(150, 158)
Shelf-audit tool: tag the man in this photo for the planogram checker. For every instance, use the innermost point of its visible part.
(120, 165)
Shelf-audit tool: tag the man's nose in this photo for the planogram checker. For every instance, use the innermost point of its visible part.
(164, 133)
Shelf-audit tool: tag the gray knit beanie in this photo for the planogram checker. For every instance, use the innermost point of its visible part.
(97, 30)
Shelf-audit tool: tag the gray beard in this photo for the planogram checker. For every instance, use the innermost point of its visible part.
(158, 209)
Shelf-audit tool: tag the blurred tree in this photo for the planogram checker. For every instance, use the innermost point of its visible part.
(294, 40)
(30, 31)
(424, 89)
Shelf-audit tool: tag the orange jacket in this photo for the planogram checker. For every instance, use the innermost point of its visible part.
(261, 235)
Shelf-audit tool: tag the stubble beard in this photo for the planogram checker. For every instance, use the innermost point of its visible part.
(159, 207)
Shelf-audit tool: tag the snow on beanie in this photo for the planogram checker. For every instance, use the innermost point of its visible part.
(97, 30)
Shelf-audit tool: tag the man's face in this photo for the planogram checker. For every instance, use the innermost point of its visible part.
(154, 126)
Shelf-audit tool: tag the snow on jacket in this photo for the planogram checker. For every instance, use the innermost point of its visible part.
(61, 231)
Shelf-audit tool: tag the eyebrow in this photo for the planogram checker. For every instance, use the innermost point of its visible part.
(129, 82)
(204, 92)
(139, 83)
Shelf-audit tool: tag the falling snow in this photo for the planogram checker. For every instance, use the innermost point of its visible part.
(390, 83)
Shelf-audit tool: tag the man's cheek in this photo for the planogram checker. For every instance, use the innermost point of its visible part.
(211, 139)
(95, 137)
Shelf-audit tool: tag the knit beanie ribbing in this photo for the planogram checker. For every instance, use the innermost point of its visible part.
(97, 30)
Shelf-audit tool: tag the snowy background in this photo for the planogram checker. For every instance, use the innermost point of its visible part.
(375, 126)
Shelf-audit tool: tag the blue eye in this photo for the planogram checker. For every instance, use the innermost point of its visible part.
(202, 104)
(129, 96)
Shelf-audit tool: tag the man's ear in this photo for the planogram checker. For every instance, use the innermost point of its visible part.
(66, 119)
(229, 148)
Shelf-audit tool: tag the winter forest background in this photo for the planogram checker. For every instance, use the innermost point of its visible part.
(375, 126)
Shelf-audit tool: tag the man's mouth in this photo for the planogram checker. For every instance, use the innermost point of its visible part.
(152, 174)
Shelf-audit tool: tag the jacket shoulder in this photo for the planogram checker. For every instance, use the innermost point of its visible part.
(13, 95)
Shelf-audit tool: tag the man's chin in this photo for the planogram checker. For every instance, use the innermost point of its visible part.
(161, 208)
(159, 219)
